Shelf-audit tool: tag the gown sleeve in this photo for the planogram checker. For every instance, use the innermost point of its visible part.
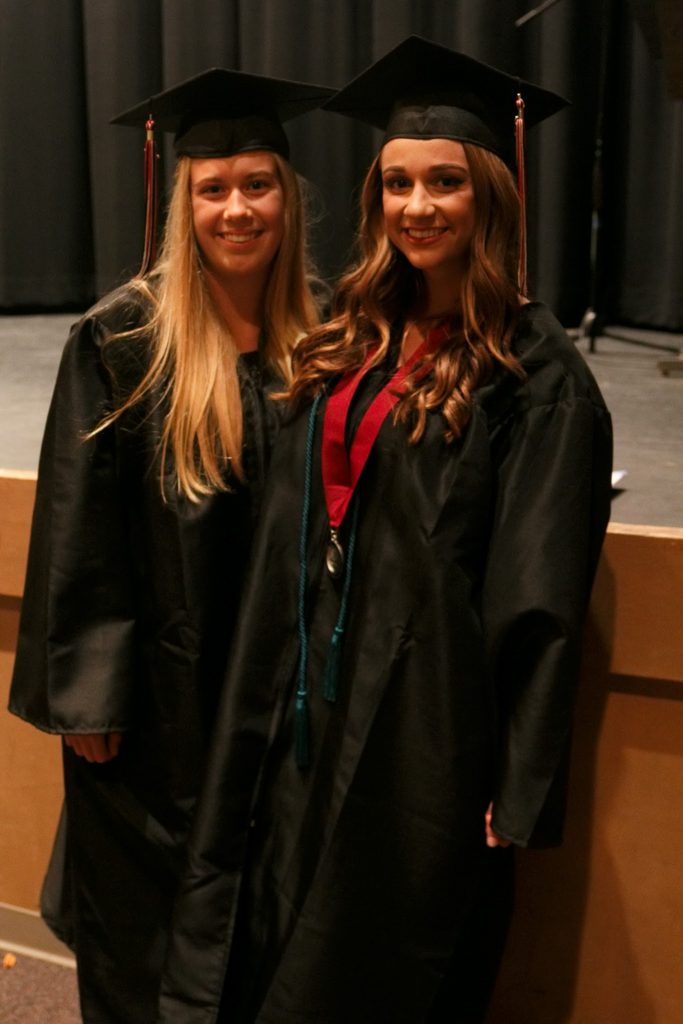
(74, 670)
(549, 521)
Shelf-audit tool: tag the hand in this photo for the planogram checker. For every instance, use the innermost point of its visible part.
(95, 747)
(491, 838)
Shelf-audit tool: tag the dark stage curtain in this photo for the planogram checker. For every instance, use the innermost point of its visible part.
(641, 262)
(71, 197)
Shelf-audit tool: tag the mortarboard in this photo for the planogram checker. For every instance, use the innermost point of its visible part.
(218, 113)
(221, 112)
(423, 90)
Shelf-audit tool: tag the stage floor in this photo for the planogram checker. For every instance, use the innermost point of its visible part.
(646, 406)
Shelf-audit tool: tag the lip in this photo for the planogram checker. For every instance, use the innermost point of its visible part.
(239, 238)
(424, 236)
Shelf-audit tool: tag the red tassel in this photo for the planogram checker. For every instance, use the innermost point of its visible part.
(151, 200)
(521, 186)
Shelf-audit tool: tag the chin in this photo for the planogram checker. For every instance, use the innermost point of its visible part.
(424, 261)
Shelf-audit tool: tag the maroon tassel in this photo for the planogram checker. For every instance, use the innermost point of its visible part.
(151, 200)
(521, 187)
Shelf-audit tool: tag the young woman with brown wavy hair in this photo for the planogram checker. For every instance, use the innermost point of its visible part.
(398, 707)
(375, 295)
(150, 481)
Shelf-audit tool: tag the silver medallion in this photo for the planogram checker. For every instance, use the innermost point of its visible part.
(334, 556)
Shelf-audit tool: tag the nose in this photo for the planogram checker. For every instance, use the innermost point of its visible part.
(419, 203)
(236, 204)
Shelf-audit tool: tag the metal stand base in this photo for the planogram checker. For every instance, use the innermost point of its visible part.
(592, 327)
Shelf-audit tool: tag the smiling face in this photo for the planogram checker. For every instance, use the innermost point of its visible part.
(238, 214)
(428, 203)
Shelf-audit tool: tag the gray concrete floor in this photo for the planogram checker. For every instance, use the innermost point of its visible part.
(30, 348)
(647, 412)
(36, 992)
(646, 406)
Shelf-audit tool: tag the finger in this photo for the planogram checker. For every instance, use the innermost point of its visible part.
(487, 823)
(77, 744)
(114, 743)
(493, 840)
(99, 748)
(96, 748)
(90, 746)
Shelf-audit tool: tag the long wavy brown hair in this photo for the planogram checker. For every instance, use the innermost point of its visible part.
(381, 292)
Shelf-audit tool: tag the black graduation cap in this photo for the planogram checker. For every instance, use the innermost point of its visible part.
(221, 112)
(422, 90)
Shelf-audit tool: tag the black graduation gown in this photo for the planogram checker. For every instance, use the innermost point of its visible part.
(128, 612)
(340, 892)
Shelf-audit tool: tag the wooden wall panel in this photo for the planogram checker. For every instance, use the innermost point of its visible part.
(635, 606)
(30, 761)
(598, 925)
(17, 494)
(31, 787)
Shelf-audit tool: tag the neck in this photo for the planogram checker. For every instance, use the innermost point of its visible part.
(442, 294)
(441, 299)
(241, 307)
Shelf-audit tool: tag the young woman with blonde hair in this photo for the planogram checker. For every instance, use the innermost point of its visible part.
(151, 477)
(435, 512)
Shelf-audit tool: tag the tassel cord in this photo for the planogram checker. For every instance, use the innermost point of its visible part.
(521, 187)
(301, 708)
(151, 158)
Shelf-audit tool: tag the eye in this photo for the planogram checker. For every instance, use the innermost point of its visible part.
(396, 183)
(449, 182)
(258, 185)
(210, 188)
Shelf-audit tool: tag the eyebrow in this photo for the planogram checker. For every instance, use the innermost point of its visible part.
(258, 173)
(262, 172)
(434, 167)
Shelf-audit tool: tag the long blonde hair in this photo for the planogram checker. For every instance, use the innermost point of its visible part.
(383, 287)
(193, 359)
